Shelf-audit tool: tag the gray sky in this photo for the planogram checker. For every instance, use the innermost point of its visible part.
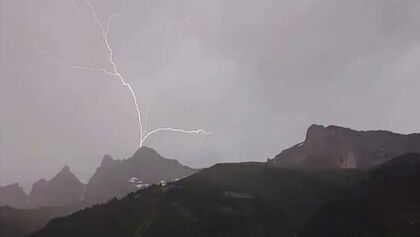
(254, 73)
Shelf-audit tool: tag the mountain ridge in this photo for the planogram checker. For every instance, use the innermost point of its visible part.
(243, 199)
(13, 195)
(117, 178)
(339, 147)
(64, 189)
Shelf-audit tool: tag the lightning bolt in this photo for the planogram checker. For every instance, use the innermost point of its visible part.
(198, 131)
(115, 73)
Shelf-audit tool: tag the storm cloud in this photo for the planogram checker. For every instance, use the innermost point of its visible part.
(254, 73)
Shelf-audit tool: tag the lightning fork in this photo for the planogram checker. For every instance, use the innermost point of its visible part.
(198, 131)
(115, 73)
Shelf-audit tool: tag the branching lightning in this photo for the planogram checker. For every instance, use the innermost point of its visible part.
(144, 135)
(114, 66)
(198, 131)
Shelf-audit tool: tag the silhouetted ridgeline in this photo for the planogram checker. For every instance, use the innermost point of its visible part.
(64, 193)
(12, 195)
(255, 199)
(65, 189)
(338, 147)
(117, 178)
(242, 199)
(113, 178)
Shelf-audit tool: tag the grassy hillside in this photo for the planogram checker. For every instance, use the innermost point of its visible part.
(244, 199)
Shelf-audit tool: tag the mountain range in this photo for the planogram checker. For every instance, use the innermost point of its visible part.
(323, 147)
(256, 199)
(148, 195)
(113, 178)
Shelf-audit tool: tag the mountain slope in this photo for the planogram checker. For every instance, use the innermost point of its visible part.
(117, 178)
(65, 194)
(254, 199)
(13, 195)
(387, 204)
(23, 222)
(244, 199)
(338, 147)
(65, 189)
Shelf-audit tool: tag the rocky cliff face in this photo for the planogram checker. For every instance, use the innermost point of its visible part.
(12, 195)
(65, 189)
(338, 147)
(116, 178)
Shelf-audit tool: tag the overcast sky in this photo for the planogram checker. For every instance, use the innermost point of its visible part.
(254, 73)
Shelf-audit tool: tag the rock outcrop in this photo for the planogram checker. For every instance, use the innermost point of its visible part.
(116, 178)
(65, 189)
(13, 195)
(338, 147)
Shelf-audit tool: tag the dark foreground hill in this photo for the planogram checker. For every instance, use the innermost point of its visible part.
(244, 199)
(65, 193)
(387, 204)
(254, 199)
(22, 222)
(338, 147)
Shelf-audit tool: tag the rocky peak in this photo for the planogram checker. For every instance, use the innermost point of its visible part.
(315, 131)
(334, 146)
(106, 160)
(39, 183)
(146, 153)
(65, 176)
(62, 190)
(65, 169)
(315, 134)
(112, 178)
(12, 195)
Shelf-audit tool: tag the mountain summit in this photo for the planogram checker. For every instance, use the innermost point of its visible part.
(338, 147)
(12, 195)
(62, 190)
(116, 178)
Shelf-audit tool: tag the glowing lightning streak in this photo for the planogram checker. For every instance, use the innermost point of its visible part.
(114, 66)
(198, 131)
(105, 31)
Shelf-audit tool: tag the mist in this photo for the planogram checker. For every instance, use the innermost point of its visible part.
(256, 74)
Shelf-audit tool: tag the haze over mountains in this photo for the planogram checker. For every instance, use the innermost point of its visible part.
(65, 189)
(282, 63)
(64, 193)
(83, 78)
(324, 147)
(113, 178)
(12, 195)
(256, 200)
(331, 162)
